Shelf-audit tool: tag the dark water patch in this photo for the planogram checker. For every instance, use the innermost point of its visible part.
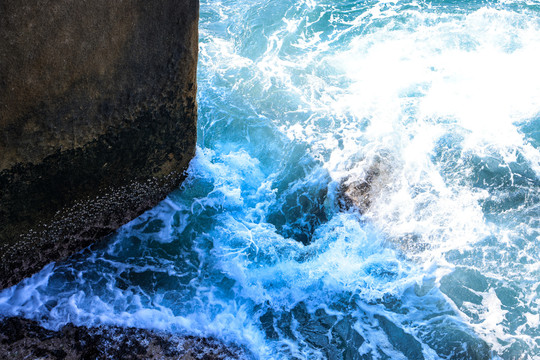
(404, 342)
(531, 130)
(301, 191)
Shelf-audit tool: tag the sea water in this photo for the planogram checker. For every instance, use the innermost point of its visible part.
(435, 104)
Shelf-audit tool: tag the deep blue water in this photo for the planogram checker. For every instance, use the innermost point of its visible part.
(440, 100)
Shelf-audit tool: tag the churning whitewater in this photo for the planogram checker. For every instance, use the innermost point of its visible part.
(366, 186)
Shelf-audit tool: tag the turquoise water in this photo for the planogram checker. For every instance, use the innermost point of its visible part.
(437, 103)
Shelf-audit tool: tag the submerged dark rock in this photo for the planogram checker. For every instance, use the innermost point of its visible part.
(25, 339)
(97, 120)
(334, 337)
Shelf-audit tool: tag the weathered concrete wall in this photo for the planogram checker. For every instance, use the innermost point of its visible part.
(97, 120)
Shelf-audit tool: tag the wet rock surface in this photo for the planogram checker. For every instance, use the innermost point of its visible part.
(357, 191)
(98, 120)
(25, 339)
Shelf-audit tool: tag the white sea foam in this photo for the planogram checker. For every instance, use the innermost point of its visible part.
(393, 94)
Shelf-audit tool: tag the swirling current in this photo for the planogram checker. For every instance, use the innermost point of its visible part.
(366, 186)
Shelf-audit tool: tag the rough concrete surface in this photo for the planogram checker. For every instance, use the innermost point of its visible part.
(97, 120)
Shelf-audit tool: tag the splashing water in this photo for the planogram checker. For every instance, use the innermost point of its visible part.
(436, 104)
